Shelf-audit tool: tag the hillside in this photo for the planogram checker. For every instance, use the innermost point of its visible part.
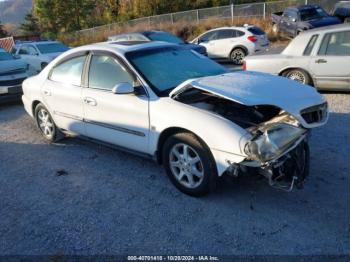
(13, 11)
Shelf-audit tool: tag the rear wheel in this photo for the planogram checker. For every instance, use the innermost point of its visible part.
(237, 55)
(298, 75)
(46, 124)
(189, 164)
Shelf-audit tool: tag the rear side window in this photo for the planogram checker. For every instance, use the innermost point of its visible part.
(23, 50)
(256, 30)
(69, 72)
(106, 72)
(336, 44)
(310, 45)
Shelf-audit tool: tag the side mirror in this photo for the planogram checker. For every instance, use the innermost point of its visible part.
(123, 88)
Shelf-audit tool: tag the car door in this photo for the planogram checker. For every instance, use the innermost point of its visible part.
(119, 119)
(208, 41)
(225, 40)
(33, 56)
(330, 65)
(62, 93)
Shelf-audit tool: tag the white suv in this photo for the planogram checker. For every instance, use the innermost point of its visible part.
(233, 43)
(39, 54)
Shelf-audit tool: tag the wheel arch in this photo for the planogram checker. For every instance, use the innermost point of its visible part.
(34, 105)
(245, 49)
(300, 68)
(168, 132)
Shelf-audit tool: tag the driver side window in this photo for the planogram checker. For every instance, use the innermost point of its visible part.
(106, 72)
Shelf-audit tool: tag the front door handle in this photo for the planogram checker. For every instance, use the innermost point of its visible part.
(321, 61)
(90, 101)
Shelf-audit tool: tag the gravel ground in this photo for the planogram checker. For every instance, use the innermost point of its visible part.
(76, 197)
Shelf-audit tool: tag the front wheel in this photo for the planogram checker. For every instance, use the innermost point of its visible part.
(189, 164)
(46, 124)
(237, 55)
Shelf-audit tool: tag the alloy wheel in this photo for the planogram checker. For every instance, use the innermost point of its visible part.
(45, 123)
(186, 165)
(237, 56)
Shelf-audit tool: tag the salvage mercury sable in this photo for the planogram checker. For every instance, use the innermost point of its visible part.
(180, 108)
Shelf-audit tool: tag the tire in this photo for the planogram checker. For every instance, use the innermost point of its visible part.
(197, 178)
(237, 55)
(46, 125)
(347, 20)
(298, 75)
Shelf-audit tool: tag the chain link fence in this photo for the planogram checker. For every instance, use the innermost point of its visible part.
(231, 13)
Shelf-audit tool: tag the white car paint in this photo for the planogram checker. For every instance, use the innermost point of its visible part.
(221, 48)
(326, 71)
(33, 56)
(150, 115)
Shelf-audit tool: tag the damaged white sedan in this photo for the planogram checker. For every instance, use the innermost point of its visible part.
(180, 108)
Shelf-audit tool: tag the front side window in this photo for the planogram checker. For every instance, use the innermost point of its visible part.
(32, 50)
(310, 45)
(23, 50)
(166, 68)
(336, 44)
(312, 13)
(106, 72)
(209, 36)
(69, 72)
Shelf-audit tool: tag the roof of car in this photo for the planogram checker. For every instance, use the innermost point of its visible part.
(124, 47)
(36, 42)
(302, 7)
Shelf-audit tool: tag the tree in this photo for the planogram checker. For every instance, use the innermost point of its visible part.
(3, 32)
(30, 26)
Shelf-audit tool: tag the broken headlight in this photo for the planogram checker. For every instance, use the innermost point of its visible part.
(272, 141)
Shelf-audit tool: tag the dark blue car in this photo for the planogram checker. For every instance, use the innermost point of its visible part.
(297, 19)
(157, 36)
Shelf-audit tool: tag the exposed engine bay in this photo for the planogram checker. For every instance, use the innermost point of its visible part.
(278, 149)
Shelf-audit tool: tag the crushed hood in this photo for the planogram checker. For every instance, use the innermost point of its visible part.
(253, 88)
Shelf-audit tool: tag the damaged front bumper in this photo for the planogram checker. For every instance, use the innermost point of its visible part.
(281, 154)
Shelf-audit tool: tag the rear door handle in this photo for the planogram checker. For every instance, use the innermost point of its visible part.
(90, 101)
(321, 61)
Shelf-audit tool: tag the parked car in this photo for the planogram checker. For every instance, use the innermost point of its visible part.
(233, 43)
(157, 36)
(39, 54)
(342, 11)
(318, 57)
(197, 119)
(294, 20)
(12, 73)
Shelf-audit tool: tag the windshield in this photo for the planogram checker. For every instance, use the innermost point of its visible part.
(166, 68)
(52, 48)
(5, 56)
(314, 13)
(164, 37)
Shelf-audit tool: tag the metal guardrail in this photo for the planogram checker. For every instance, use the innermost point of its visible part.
(259, 10)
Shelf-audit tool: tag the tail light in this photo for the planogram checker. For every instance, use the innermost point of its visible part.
(244, 65)
(252, 38)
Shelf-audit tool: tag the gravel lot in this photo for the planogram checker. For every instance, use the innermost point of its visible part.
(76, 197)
